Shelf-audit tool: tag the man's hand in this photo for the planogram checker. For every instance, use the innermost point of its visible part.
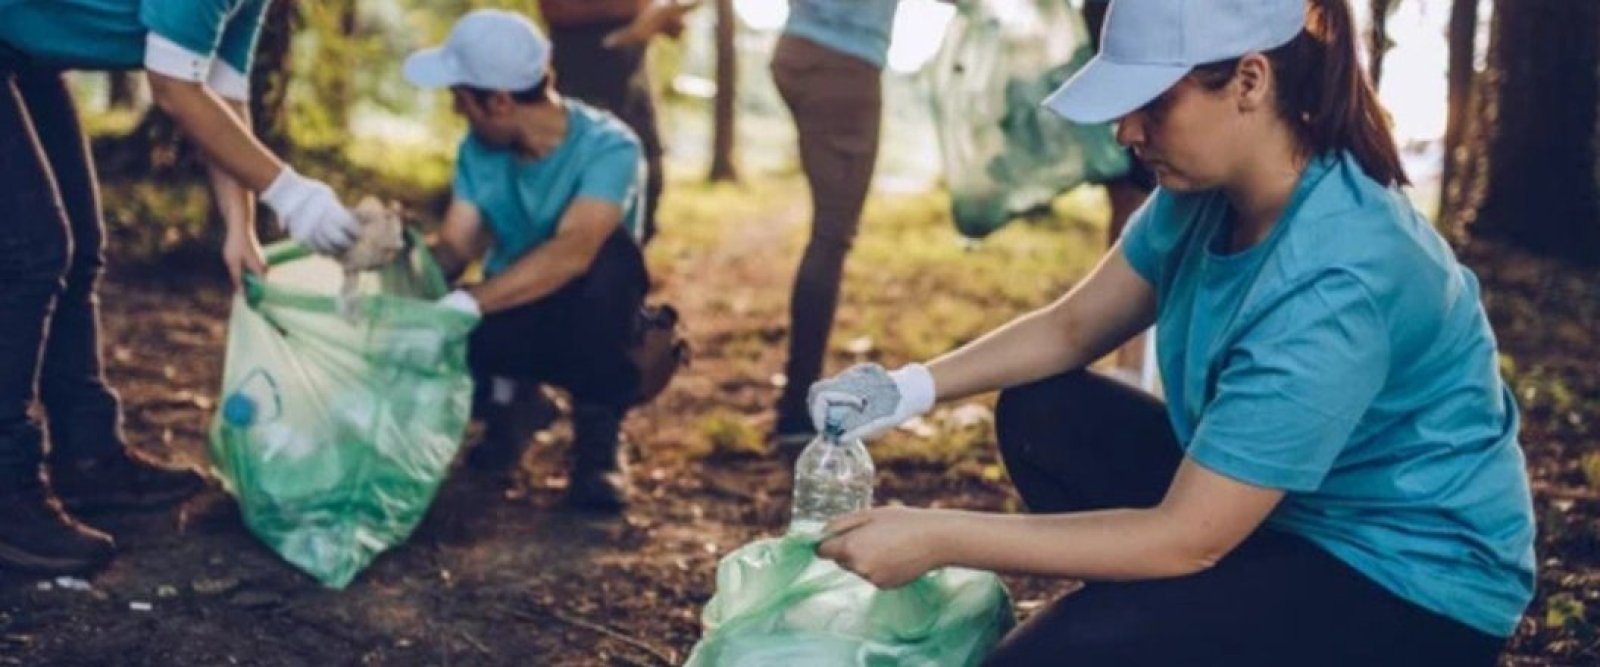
(241, 252)
(461, 301)
(310, 211)
(661, 16)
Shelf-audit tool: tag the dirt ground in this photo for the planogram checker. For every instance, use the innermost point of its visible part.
(498, 575)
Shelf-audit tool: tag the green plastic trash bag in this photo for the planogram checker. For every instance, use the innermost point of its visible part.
(334, 433)
(778, 603)
(1005, 155)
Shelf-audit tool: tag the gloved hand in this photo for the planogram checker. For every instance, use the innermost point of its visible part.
(462, 301)
(877, 400)
(310, 211)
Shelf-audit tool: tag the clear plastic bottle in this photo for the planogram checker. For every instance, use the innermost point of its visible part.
(832, 477)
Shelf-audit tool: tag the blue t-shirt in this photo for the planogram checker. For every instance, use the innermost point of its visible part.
(1346, 359)
(110, 34)
(522, 200)
(860, 28)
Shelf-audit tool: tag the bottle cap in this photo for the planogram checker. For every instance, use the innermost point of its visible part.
(239, 410)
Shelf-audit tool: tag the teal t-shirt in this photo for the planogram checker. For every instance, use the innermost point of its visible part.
(1347, 360)
(860, 28)
(522, 200)
(110, 34)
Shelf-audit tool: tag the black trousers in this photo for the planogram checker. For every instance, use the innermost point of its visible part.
(578, 337)
(1079, 442)
(616, 80)
(51, 238)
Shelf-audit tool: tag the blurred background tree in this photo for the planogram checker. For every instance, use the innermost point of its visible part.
(1512, 154)
(1541, 189)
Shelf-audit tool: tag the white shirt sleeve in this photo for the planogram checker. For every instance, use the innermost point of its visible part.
(167, 58)
(230, 83)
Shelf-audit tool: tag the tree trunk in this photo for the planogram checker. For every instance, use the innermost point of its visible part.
(1378, 38)
(270, 74)
(1463, 35)
(722, 163)
(122, 90)
(1541, 191)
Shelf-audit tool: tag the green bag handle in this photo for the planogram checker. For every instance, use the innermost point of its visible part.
(257, 291)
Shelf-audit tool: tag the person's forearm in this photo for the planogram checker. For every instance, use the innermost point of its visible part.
(452, 261)
(538, 274)
(234, 201)
(571, 13)
(1106, 545)
(1032, 347)
(223, 138)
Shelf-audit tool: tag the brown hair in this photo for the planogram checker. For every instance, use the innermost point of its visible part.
(1324, 92)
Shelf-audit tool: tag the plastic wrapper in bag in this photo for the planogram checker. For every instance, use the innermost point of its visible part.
(1004, 154)
(334, 433)
(778, 603)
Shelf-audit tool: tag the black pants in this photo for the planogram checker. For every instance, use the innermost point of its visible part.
(51, 238)
(1079, 442)
(616, 80)
(576, 338)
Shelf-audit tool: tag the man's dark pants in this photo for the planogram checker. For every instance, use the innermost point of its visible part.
(576, 338)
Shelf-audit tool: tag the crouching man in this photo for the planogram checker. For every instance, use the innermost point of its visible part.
(547, 193)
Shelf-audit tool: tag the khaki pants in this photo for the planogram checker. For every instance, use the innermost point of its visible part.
(837, 103)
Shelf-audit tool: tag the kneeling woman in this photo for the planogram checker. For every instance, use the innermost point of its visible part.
(1334, 477)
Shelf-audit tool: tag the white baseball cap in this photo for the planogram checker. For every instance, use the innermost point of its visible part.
(491, 49)
(1146, 46)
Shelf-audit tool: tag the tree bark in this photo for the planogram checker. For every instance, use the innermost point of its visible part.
(270, 74)
(724, 119)
(122, 90)
(1378, 38)
(1541, 191)
(1463, 33)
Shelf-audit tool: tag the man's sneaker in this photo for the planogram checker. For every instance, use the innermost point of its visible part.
(599, 479)
(121, 480)
(36, 535)
(509, 426)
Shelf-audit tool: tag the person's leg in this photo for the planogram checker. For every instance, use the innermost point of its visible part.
(507, 354)
(837, 103)
(578, 339)
(1081, 441)
(34, 247)
(90, 467)
(602, 378)
(1078, 442)
(1275, 600)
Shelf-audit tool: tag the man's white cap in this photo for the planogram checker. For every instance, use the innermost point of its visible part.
(1146, 46)
(490, 49)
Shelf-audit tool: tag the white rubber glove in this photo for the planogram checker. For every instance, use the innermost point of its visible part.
(462, 301)
(876, 400)
(310, 211)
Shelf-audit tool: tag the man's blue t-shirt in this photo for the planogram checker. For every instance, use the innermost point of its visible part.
(110, 34)
(522, 200)
(859, 28)
(1347, 360)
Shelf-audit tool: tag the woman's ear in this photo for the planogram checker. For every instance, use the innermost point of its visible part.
(1253, 82)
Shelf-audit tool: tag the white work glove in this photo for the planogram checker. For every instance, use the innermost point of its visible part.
(462, 301)
(310, 211)
(875, 400)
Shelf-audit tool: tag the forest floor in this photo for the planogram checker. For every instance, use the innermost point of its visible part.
(505, 575)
